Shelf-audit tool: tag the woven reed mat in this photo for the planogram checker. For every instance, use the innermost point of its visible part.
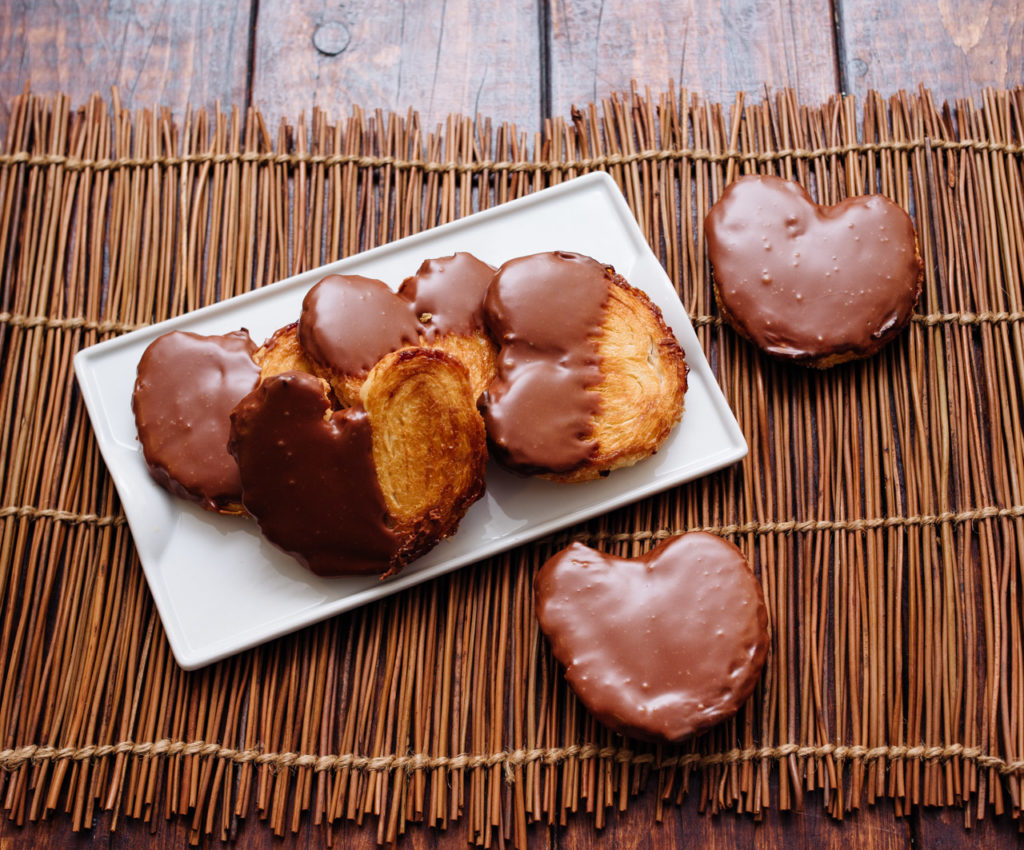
(881, 504)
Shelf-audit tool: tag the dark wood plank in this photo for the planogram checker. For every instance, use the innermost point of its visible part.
(438, 57)
(943, 829)
(875, 827)
(250, 833)
(955, 47)
(56, 834)
(713, 49)
(173, 54)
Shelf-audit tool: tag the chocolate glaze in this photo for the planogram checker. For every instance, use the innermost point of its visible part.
(447, 293)
(660, 647)
(185, 388)
(545, 311)
(805, 282)
(310, 481)
(349, 322)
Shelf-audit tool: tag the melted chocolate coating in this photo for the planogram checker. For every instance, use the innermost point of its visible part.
(451, 291)
(545, 311)
(806, 282)
(659, 647)
(185, 388)
(349, 322)
(309, 478)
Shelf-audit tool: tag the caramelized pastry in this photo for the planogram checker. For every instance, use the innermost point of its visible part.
(589, 376)
(282, 353)
(185, 388)
(369, 488)
(810, 284)
(659, 647)
(429, 444)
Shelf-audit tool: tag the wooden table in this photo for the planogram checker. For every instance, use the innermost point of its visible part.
(519, 62)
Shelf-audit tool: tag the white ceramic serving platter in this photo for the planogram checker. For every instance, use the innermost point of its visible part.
(221, 588)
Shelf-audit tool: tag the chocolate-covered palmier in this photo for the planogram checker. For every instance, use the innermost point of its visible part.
(589, 376)
(185, 389)
(447, 295)
(659, 647)
(810, 284)
(349, 322)
(369, 488)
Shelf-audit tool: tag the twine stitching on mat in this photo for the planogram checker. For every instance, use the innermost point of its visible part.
(73, 163)
(19, 320)
(12, 759)
(753, 527)
(33, 513)
(800, 526)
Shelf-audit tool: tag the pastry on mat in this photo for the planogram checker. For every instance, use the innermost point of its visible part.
(810, 284)
(662, 646)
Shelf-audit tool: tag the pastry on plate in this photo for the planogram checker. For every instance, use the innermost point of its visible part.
(371, 487)
(349, 322)
(589, 376)
(447, 295)
(185, 389)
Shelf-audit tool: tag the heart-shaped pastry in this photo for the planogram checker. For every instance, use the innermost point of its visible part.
(811, 284)
(658, 647)
(185, 389)
(589, 376)
(349, 322)
(369, 488)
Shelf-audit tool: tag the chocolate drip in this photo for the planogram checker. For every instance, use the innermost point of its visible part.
(447, 294)
(185, 389)
(349, 322)
(545, 311)
(309, 478)
(804, 281)
(662, 646)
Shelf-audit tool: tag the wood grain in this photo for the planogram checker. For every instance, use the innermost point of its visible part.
(685, 826)
(189, 52)
(954, 47)
(943, 829)
(250, 833)
(714, 49)
(438, 57)
(876, 828)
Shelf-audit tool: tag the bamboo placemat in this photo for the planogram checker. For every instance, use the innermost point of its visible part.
(881, 504)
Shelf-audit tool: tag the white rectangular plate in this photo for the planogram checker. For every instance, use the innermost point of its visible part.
(221, 588)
